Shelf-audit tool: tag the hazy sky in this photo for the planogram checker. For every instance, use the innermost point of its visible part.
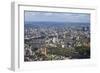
(56, 17)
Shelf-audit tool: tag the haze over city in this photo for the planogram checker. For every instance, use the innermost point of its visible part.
(36, 16)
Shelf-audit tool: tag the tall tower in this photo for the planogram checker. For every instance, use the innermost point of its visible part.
(56, 36)
(45, 51)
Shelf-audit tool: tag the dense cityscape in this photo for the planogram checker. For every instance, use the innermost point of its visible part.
(44, 41)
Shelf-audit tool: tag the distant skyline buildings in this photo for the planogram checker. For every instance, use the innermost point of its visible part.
(41, 16)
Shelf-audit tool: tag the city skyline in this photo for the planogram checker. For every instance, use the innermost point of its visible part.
(48, 36)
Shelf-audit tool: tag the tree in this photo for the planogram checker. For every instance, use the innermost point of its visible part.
(83, 51)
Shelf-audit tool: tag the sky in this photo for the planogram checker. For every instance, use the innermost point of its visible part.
(37, 16)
